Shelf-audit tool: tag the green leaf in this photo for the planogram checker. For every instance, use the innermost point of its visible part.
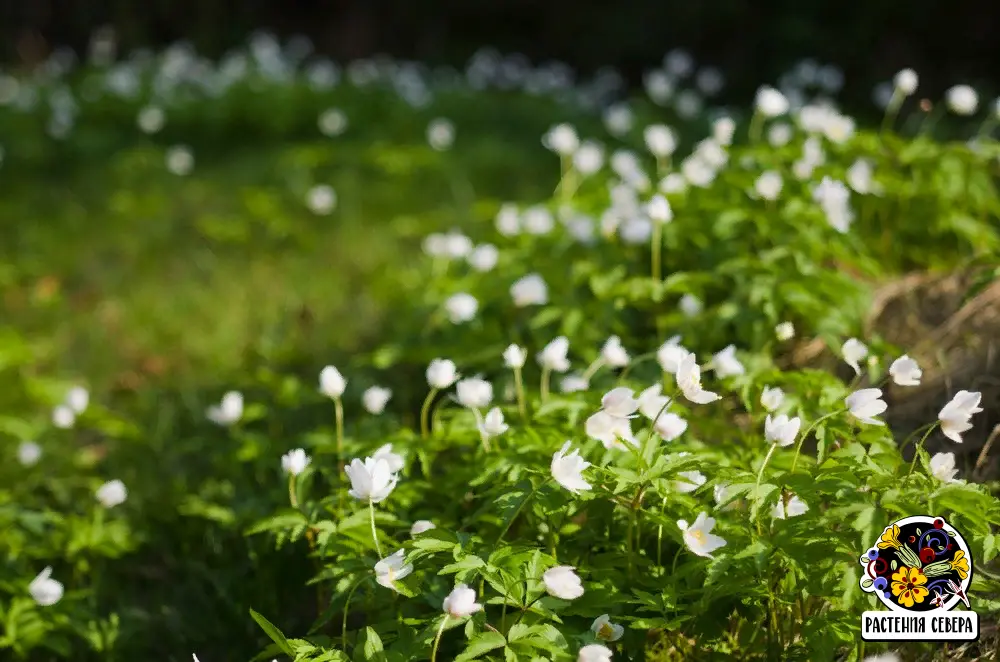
(482, 643)
(285, 520)
(272, 632)
(369, 647)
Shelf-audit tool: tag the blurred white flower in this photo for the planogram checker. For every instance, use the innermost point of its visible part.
(484, 257)
(474, 393)
(709, 81)
(392, 568)
(793, 508)
(605, 630)
(609, 430)
(44, 590)
(461, 602)
(529, 290)
(229, 411)
(180, 160)
(673, 183)
(574, 383)
(594, 653)
(659, 86)
(112, 493)
(332, 122)
(905, 81)
(689, 380)
(440, 134)
(690, 305)
(784, 331)
(562, 582)
(567, 470)
(613, 353)
(508, 220)
(63, 417)
(537, 220)
(393, 459)
(371, 480)
(321, 199)
(770, 102)
(77, 399)
(493, 424)
(421, 526)
(723, 129)
(669, 426)
(618, 119)
(441, 373)
(692, 481)
(561, 139)
(781, 430)
(29, 453)
(456, 245)
(772, 398)
(860, 177)
(514, 356)
(331, 383)
(461, 307)
(699, 537)
(853, 352)
(670, 355)
(375, 398)
(834, 198)
(779, 134)
(865, 404)
(151, 119)
(696, 172)
(554, 355)
(956, 416)
(678, 63)
(636, 230)
(943, 467)
(726, 364)
(688, 104)
(768, 185)
(905, 371)
(652, 401)
(295, 461)
(962, 100)
(660, 140)
(588, 158)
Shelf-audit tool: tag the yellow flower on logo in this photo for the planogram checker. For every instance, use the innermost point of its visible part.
(961, 564)
(908, 586)
(890, 538)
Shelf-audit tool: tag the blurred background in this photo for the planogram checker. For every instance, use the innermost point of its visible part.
(752, 41)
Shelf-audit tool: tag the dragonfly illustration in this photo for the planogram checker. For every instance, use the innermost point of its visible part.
(957, 590)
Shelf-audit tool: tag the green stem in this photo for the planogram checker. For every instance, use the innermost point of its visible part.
(425, 411)
(639, 359)
(812, 426)
(756, 127)
(437, 639)
(371, 517)
(592, 369)
(347, 609)
(517, 511)
(292, 496)
(546, 375)
(910, 437)
(890, 111)
(656, 246)
(756, 490)
(519, 389)
(920, 445)
(338, 411)
(482, 433)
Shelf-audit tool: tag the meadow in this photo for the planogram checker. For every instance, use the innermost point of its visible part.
(384, 362)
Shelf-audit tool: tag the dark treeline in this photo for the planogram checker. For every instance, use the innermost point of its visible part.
(751, 40)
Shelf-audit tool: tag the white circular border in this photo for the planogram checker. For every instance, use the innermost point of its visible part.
(924, 519)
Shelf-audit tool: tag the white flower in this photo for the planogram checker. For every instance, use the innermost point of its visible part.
(180, 160)
(229, 411)
(693, 480)
(441, 373)
(678, 63)
(670, 355)
(609, 430)
(484, 257)
(779, 135)
(723, 130)
(331, 383)
(508, 220)
(860, 177)
(332, 122)
(63, 417)
(440, 134)
(689, 380)
(375, 399)
(784, 331)
(726, 364)
(28, 453)
(853, 352)
(795, 507)
(690, 305)
(670, 426)
(45, 590)
(673, 183)
(112, 493)
(562, 582)
(529, 290)
(905, 371)
(768, 185)
(865, 404)
(955, 416)
(618, 119)
(514, 356)
(594, 653)
(771, 102)
(573, 383)
(461, 602)
(151, 119)
(567, 470)
(885, 657)
(659, 86)
(652, 401)
(962, 100)
(619, 402)
(394, 460)
(371, 480)
(392, 568)
(474, 393)
(561, 139)
(781, 430)
(461, 307)
(295, 461)
(943, 467)
(493, 425)
(637, 230)
(660, 140)
(605, 630)
(538, 220)
(659, 210)
(772, 398)
(77, 399)
(456, 245)
(553, 356)
(905, 81)
(613, 353)
(321, 199)
(699, 537)
(588, 158)
(420, 526)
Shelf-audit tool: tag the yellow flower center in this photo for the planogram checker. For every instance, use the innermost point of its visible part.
(698, 535)
(605, 631)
